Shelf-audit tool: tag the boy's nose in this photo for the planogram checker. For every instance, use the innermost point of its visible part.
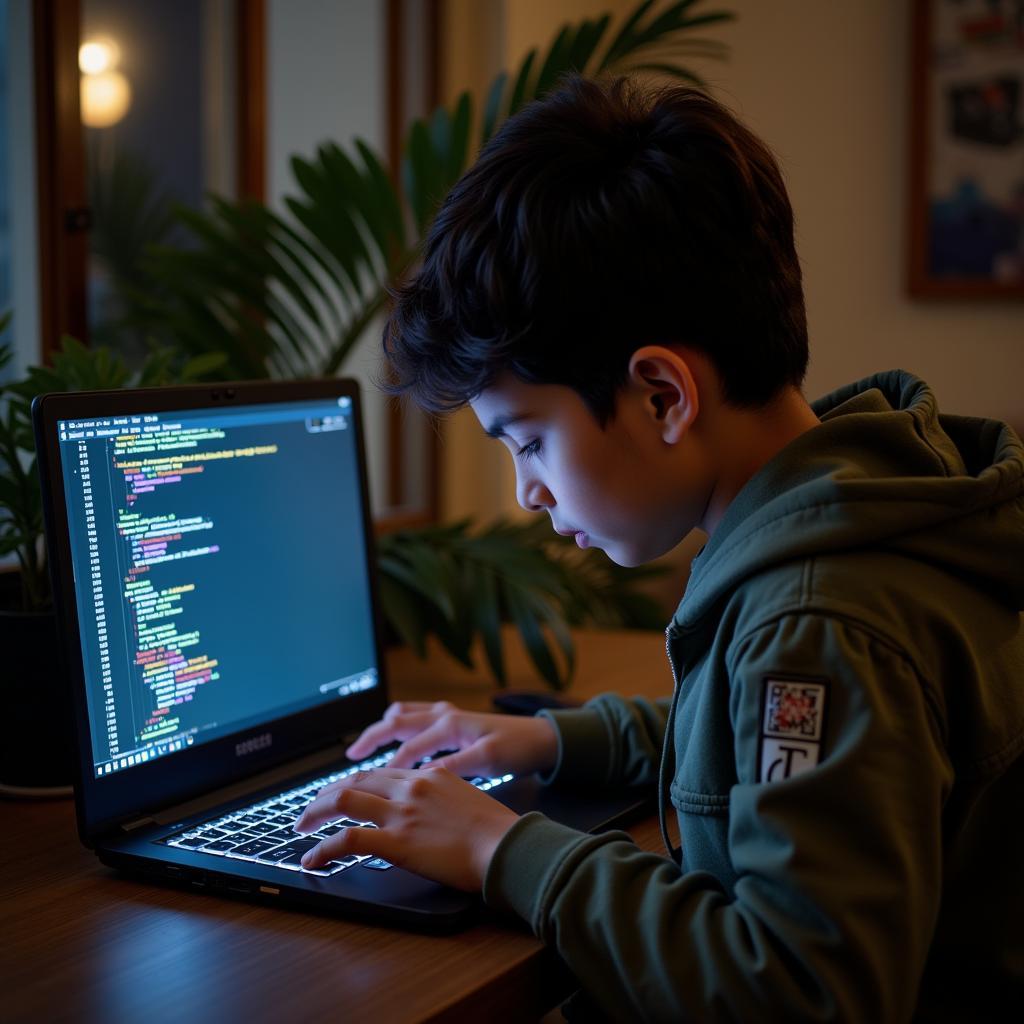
(533, 495)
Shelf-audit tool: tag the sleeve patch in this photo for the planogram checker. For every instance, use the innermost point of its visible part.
(792, 725)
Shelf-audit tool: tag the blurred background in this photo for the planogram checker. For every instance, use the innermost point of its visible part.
(113, 111)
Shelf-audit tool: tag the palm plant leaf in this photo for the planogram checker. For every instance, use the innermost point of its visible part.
(462, 585)
(588, 36)
(75, 368)
(288, 294)
(492, 106)
(487, 610)
(518, 94)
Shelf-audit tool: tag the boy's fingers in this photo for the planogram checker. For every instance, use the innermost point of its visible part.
(377, 780)
(403, 707)
(392, 727)
(467, 763)
(363, 804)
(441, 735)
(387, 772)
(373, 841)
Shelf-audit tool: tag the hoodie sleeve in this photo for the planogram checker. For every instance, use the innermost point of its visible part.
(609, 741)
(837, 867)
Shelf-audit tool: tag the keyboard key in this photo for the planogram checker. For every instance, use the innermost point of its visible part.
(221, 846)
(190, 841)
(330, 868)
(281, 852)
(377, 864)
(255, 848)
(282, 835)
(261, 828)
(291, 852)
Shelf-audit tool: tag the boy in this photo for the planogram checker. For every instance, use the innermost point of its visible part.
(613, 288)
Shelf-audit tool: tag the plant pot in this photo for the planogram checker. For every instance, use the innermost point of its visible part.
(36, 744)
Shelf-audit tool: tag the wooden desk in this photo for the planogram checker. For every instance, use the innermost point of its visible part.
(81, 943)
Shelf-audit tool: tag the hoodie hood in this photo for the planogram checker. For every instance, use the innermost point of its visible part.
(883, 470)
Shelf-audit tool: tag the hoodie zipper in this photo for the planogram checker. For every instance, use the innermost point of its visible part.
(667, 746)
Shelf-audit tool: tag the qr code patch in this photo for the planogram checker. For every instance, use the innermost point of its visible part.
(794, 709)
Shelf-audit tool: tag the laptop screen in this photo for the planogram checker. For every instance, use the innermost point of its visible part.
(220, 570)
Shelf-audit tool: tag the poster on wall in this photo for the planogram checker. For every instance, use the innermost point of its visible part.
(967, 149)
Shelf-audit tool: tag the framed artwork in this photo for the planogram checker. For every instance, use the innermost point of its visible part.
(967, 149)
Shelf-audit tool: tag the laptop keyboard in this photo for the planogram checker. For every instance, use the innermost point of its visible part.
(263, 832)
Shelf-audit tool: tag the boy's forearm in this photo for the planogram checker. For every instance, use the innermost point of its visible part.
(649, 942)
(611, 740)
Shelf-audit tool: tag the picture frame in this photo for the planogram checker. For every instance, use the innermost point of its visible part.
(966, 181)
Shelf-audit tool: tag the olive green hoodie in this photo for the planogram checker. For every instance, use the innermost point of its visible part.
(843, 748)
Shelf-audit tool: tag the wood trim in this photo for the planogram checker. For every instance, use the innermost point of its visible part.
(433, 41)
(434, 16)
(397, 42)
(920, 28)
(60, 174)
(396, 450)
(394, 84)
(251, 106)
(919, 283)
(394, 92)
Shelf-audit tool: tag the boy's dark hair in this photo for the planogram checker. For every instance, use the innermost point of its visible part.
(596, 220)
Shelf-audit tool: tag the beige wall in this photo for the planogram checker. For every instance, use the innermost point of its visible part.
(826, 85)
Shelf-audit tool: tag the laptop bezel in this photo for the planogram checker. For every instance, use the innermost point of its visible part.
(104, 804)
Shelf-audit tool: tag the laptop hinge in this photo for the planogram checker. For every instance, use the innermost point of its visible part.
(131, 826)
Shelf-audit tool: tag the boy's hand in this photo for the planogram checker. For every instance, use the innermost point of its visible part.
(428, 820)
(484, 744)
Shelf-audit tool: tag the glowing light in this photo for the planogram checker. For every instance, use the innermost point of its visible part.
(98, 55)
(105, 98)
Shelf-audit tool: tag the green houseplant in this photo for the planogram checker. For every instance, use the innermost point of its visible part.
(33, 681)
(74, 368)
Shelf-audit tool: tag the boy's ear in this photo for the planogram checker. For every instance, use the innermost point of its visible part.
(667, 386)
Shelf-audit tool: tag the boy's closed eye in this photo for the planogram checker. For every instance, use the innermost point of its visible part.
(529, 449)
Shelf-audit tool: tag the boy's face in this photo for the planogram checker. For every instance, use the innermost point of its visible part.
(621, 488)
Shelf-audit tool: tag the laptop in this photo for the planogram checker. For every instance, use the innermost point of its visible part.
(212, 557)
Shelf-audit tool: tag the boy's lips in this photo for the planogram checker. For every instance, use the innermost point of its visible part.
(581, 536)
